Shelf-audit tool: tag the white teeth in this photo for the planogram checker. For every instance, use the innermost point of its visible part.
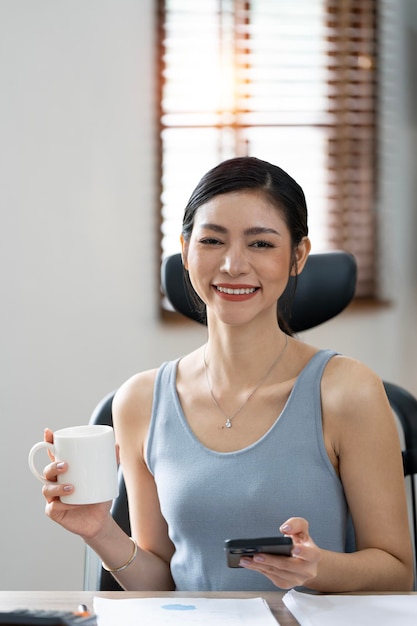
(236, 292)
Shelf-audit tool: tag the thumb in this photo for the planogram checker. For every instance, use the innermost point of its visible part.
(297, 528)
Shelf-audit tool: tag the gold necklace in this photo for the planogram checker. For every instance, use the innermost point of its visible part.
(228, 423)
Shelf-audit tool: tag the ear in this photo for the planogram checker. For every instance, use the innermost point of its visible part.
(300, 256)
(184, 252)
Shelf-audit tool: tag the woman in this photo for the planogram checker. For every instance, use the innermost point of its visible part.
(254, 433)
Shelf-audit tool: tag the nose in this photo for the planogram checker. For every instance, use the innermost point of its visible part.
(234, 261)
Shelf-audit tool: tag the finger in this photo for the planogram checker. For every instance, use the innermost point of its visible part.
(297, 528)
(306, 551)
(48, 436)
(54, 491)
(284, 576)
(56, 510)
(53, 470)
(267, 561)
(285, 572)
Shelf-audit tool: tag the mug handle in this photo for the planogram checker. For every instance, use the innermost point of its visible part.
(31, 459)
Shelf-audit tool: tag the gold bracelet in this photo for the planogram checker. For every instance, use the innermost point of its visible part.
(130, 560)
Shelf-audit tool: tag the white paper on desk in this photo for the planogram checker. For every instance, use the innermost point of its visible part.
(366, 610)
(175, 611)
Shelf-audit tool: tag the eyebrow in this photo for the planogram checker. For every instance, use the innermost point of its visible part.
(253, 230)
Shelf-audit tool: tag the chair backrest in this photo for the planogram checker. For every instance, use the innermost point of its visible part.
(404, 405)
(324, 289)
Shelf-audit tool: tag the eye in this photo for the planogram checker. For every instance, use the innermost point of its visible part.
(261, 244)
(210, 241)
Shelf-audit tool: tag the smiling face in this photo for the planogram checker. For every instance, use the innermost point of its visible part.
(239, 255)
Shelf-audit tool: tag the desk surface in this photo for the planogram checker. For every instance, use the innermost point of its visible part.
(69, 600)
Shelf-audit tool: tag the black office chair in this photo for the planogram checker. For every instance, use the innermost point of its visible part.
(404, 405)
(324, 288)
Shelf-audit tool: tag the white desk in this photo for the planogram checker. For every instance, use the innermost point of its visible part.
(69, 600)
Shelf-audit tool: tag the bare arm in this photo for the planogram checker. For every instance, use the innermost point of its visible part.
(360, 427)
(150, 570)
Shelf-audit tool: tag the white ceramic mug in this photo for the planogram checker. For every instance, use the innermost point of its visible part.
(90, 453)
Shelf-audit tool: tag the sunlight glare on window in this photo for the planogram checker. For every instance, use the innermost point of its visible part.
(242, 82)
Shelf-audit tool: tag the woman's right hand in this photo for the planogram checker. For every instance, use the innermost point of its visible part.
(86, 520)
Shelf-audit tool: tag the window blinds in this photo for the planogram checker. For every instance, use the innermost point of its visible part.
(292, 82)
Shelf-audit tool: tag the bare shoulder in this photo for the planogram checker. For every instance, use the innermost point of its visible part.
(354, 398)
(138, 387)
(347, 379)
(132, 406)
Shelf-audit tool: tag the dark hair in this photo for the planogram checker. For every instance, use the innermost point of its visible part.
(242, 173)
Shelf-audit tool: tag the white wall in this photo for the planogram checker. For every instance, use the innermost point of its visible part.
(78, 266)
(78, 270)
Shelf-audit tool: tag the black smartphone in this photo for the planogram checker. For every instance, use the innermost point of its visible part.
(236, 548)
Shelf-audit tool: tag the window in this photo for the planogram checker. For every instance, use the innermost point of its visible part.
(291, 82)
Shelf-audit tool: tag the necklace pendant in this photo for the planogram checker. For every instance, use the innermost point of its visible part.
(228, 424)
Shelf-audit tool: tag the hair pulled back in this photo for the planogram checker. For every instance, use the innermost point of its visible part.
(241, 173)
(279, 189)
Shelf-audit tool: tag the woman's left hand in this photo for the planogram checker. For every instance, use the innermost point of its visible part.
(287, 572)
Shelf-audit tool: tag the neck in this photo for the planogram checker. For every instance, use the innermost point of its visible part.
(266, 374)
(234, 358)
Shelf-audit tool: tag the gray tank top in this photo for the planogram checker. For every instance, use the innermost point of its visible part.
(207, 496)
